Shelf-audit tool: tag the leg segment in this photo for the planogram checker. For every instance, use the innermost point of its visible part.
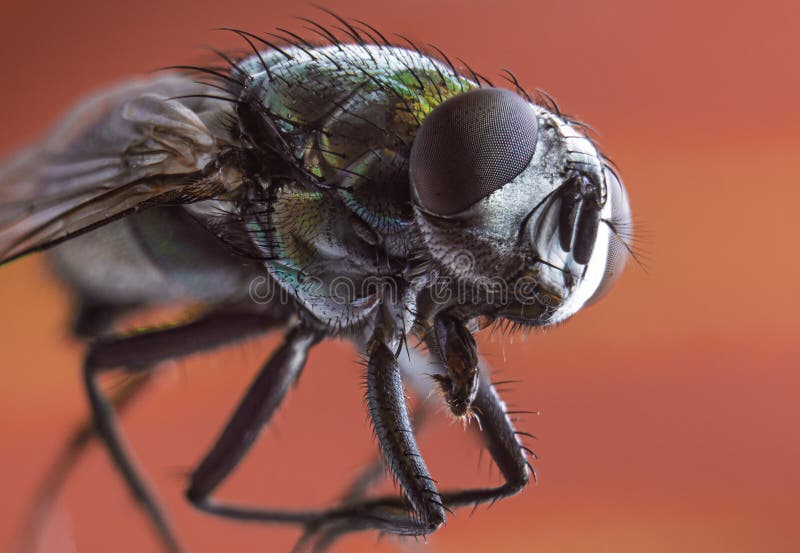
(501, 441)
(143, 351)
(319, 541)
(64, 463)
(94, 318)
(495, 429)
(372, 473)
(387, 407)
(206, 333)
(504, 446)
(422, 510)
(421, 513)
(254, 412)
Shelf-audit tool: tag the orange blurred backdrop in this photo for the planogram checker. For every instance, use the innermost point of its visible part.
(669, 410)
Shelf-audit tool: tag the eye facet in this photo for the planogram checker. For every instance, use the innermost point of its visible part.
(621, 227)
(470, 146)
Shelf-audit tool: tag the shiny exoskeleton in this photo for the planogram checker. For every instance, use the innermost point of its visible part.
(362, 190)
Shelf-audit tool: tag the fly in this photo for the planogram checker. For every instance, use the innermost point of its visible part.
(339, 188)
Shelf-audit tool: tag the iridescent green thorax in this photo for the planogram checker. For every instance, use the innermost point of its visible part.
(336, 103)
(348, 115)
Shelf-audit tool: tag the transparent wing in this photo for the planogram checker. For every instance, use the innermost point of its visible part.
(126, 148)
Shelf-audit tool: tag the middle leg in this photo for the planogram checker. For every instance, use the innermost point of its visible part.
(420, 512)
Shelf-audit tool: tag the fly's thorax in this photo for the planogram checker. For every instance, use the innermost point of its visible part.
(342, 118)
(332, 105)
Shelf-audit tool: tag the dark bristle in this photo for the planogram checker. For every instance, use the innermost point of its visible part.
(255, 50)
(220, 76)
(511, 78)
(322, 31)
(209, 96)
(294, 43)
(295, 36)
(446, 60)
(486, 80)
(376, 31)
(349, 29)
(246, 36)
(410, 43)
(373, 39)
(475, 76)
(551, 103)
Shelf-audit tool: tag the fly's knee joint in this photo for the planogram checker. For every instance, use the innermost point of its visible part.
(434, 519)
(516, 484)
(196, 497)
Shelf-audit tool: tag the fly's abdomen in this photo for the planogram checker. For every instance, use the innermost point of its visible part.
(110, 266)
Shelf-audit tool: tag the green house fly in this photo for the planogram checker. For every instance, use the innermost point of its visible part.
(332, 186)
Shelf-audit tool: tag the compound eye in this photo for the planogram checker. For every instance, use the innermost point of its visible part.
(470, 146)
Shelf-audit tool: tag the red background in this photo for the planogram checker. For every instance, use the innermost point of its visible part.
(669, 410)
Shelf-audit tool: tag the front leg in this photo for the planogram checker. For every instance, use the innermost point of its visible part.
(387, 408)
(504, 445)
(455, 347)
(495, 429)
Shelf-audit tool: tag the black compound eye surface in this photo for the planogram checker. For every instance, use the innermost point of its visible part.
(470, 146)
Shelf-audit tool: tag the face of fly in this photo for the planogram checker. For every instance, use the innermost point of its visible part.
(526, 199)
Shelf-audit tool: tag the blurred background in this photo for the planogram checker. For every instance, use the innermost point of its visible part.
(669, 410)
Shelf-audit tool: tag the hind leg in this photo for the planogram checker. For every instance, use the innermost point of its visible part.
(92, 319)
(139, 353)
(67, 460)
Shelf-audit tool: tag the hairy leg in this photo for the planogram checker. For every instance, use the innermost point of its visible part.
(320, 541)
(141, 352)
(495, 430)
(501, 440)
(419, 513)
(92, 318)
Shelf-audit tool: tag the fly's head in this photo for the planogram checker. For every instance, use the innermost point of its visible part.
(518, 211)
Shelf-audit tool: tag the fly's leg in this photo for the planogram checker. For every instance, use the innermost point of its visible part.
(507, 451)
(66, 460)
(377, 469)
(495, 429)
(419, 513)
(92, 319)
(141, 352)
(321, 540)
(504, 446)
(499, 437)
(254, 411)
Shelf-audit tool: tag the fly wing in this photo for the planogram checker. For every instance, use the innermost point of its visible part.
(143, 143)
